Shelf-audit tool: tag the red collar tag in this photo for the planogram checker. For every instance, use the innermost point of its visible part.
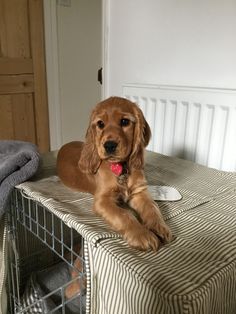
(116, 168)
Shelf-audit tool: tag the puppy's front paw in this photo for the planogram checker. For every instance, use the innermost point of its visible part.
(161, 229)
(142, 239)
(154, 221)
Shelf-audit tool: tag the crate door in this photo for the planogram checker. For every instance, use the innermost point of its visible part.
(23, 95)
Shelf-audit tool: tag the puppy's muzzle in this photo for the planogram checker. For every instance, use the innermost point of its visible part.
(110, 147)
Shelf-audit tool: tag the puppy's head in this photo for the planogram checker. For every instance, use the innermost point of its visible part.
(117, 132)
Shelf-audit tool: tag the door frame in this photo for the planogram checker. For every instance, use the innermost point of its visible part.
(52, 66)
(105, 46)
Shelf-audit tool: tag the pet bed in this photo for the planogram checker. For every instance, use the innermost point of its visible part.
(195, 273)
(41, 283)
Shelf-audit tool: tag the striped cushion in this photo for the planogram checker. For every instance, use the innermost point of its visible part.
(196, 273)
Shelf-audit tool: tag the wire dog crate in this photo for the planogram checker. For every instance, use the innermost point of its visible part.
(43, 252)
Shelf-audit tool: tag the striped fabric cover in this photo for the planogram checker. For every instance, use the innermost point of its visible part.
(196, 273)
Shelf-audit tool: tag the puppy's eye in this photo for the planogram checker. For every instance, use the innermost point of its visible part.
(124, 122)
(100, 124)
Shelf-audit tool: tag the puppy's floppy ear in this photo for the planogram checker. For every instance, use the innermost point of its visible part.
(147, 133)
(89, 160)
(142, 135)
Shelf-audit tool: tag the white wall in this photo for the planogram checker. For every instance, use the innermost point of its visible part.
(79, 53)
(187, 42)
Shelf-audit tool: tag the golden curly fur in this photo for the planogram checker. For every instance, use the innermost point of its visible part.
(117, 132)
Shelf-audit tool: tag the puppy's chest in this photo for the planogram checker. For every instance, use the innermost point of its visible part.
(122, 180)
(117, 182)
(129, 185)
(122, 188)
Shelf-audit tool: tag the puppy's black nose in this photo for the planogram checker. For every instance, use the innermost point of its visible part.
(110, 146)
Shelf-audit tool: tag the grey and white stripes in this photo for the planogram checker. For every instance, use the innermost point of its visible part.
(195, 274)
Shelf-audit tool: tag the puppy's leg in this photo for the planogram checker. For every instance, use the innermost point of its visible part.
(150, 214)
(75, 287)
(78, 285)
(122, 221)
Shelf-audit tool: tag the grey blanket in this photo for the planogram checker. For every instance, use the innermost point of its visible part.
(18, 162)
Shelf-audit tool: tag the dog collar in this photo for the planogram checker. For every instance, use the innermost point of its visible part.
(118, 168)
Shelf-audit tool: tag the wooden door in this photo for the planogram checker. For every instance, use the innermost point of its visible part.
(23, 94)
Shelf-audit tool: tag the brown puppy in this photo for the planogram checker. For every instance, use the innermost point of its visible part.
(110, 165)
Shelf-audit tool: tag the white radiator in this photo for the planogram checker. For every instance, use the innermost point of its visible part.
(191, 123)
